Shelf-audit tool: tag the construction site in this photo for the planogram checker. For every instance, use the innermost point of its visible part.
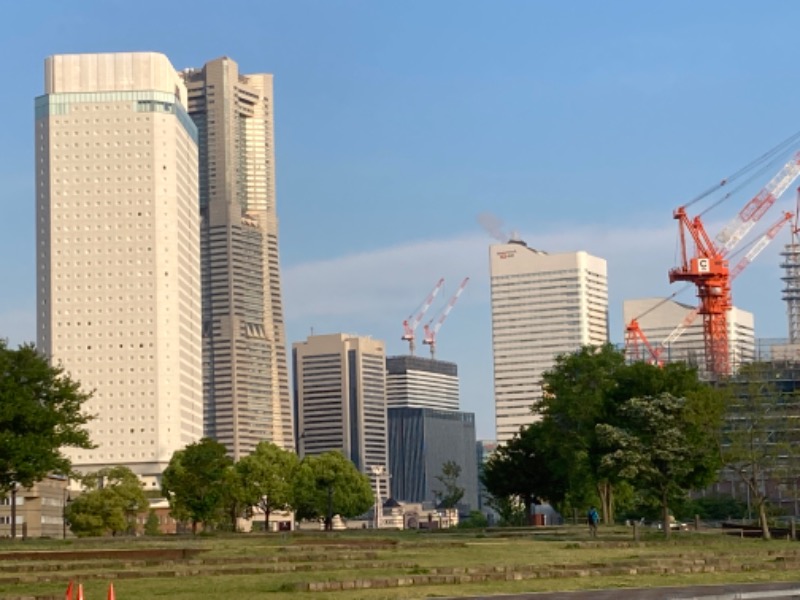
(711, 333)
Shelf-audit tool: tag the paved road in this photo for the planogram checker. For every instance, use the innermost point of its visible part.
(783, 591)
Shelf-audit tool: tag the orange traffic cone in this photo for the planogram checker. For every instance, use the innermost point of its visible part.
(68, 595)
(80, 591)
(111, 595)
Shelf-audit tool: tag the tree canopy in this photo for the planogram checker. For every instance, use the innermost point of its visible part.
(194, 482)
(40, 413)
(267, 477)
(111, 500)
(328, 484)
(657, 450)
(560, 457)
(452, 493)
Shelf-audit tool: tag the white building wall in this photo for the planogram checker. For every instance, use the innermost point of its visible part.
(543, 305)
(657, 320)
(118, 252)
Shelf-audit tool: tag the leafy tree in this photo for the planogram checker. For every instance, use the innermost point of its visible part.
(579, 393)
(583, 389)
(268, 476)
(758, 439)
(522, 469)
(194, 482)
(40, 413)
(234, 503)
(328, 484)
(659, 449)
(112, 499)
(152, 527)
(452, 493)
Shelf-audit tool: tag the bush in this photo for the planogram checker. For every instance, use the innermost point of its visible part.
(476, 520)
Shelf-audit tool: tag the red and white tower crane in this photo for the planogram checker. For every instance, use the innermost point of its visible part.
(638, 347)
(412, 322)
(430, 333)
(707, 268)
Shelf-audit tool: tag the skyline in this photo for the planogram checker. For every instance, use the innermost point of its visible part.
(581, 126)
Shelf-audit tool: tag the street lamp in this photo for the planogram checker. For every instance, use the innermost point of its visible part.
(65, 500)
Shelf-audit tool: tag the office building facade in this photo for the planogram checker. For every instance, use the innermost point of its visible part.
(118, 253)
(421, 441)
(658, 319)
(245, 375)
(340, 399)
(417, 382)
(543, 305)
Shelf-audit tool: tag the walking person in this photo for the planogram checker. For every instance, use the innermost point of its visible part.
(593, 519)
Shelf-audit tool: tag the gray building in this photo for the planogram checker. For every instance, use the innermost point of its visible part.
(419, 382)
(421, 440)
(245, 371)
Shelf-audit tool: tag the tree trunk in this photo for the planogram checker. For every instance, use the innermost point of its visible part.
(266, 518)
(665, 516)
(606, 492)
(194, 527)
(762, 518)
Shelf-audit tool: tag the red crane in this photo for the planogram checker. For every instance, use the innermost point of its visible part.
(708, 270)
(634, 336)
(430, 333)
(412, 322)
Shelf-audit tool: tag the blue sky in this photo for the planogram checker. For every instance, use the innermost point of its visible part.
(580, 124)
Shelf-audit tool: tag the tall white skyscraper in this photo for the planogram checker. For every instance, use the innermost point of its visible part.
(658, 319)
(543, 305)
(118, 252)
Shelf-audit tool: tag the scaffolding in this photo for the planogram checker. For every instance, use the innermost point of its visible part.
(791, 291)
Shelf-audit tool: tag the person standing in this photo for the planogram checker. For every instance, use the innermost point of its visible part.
(593, 518)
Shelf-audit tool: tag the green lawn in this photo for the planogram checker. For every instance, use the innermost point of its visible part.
(250, 566)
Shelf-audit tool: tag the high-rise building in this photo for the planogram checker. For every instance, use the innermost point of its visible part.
(421, 442)
(543, 305)
(340, 398)
(414, 381)
(245, 376)
(658, 319)
(118, 253)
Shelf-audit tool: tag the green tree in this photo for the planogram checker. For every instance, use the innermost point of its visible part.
(268, 478)
(579, 392)
(328, 484)
(659, 449)
(758, 439)
(40, 414)
(583, 389)
(194, 482)
(152, 526)
(452, 493)
(521, 471)
(111, 500)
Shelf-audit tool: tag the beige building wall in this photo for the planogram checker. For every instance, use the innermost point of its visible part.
(340, 398)
(543, 305)
(658, 319)
(246, 384)
(118, 271)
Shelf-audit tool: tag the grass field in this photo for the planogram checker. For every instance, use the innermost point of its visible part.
(394, 564)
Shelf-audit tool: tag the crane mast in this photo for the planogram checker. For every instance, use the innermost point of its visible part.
(410, 325)
(707, 269)
(430, 333)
